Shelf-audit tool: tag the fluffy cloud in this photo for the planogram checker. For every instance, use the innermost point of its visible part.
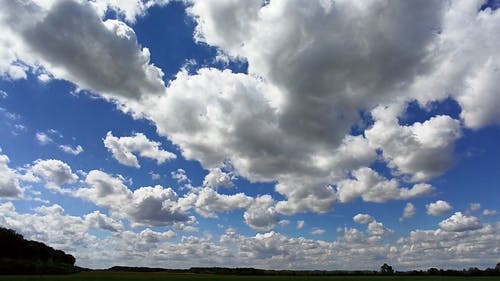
(155, 206)
(207, 202)
(422, 150)
(408, 212)
(100, 56)
(130, 9)
(218, 178)
(68, 149)
(459, 222)
(363, 218)
(96, 220)
(438, 208)
(289, 120)
(54, 172)
(123, 149)
(9, 179)
(372, 187)
(45, 225)
(262, 214)
(376, 228)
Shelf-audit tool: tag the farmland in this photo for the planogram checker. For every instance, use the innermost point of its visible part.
(156, 276)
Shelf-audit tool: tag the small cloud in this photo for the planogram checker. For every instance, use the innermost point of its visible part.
(70, 150)
(363, 218)
(438, 208)
(300, 224)
(3, 94)
(317, 231)
(44, 78)
(43, 138)
(154, 176)
(459, 222)
(474, 206)
(488, 212)
(408, 212)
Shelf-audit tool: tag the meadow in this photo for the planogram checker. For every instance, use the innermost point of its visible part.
(157, 276)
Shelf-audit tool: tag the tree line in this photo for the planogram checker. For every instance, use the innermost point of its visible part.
(18, 255)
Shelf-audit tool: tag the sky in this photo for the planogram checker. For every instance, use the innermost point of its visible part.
(271, 134)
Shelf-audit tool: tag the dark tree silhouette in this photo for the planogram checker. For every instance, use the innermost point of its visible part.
(18, 255)
(386, 269)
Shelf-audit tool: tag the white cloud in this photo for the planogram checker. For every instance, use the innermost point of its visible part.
(363, 218)
(459, 222)
(207, 202)
(438, 208)
(123, 149)
(152, 206)
(54, 172)
(300, 224)
(9, 179)
(154, 176)
(3, 94)
(409, 211)
(422, 150)
(262, 214)
(317, 231)
(129, 9)
(218, 178)
(180, 176)
(376, 228)
(100, 56)
(43, 138)
(68, 149)
(96, 220)
(488, 212)
(372, 187)
(474, 207)
(289, 121)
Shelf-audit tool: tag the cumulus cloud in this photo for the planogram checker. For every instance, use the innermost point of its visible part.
(9, 179)
(363, 218)
(71, 150)
(459, 222)
(262, 214)
(155, 206)
(218, 178)
(207, 202)
(102, 56)
(409, 211)
(123, 149)
(376, 228)
(289, 120)
(54, 172)
(129, 9)
(96, 220)
(438, 208)
(422, 150)
(372, 187)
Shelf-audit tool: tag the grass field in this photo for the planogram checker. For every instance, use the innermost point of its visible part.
(156, 276)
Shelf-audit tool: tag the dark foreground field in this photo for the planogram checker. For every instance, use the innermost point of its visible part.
(156, 276)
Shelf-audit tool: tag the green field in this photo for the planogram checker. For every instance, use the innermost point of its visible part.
(154, 276)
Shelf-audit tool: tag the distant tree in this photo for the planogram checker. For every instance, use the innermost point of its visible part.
(497, 268)
(386, 269)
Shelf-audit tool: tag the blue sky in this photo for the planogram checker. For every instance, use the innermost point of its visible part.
(308, 135)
